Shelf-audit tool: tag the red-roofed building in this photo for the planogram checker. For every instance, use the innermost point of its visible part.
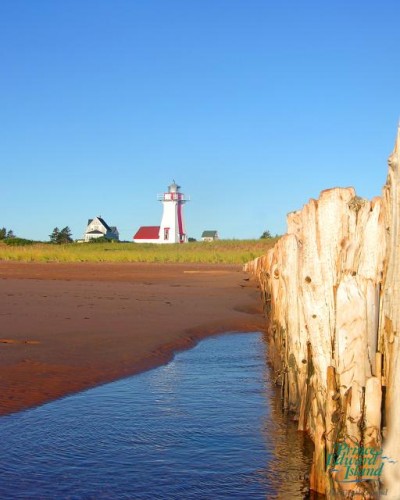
(147, 234)
(172, 227)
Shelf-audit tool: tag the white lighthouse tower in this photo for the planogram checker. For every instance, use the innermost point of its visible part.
(172, 228)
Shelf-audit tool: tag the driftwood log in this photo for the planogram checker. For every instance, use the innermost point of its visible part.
(331, 288)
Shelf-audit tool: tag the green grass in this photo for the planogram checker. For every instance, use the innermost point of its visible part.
(222, 251)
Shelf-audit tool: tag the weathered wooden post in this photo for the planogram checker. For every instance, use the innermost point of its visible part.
(333, 286)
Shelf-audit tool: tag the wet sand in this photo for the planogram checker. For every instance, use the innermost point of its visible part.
(67, 327)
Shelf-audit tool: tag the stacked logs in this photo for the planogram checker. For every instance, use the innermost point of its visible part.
(331, 289)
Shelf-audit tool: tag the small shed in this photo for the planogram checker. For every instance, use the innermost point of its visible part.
(209, 236)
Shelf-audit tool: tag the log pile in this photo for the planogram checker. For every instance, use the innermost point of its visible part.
(331, 289)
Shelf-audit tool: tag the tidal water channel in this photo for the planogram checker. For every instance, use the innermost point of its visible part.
(208, 425)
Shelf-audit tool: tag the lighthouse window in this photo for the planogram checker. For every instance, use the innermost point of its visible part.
(166, 233)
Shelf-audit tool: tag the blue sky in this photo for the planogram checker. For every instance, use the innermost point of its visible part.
(252, 106)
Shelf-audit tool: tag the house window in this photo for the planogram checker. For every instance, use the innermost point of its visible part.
(166, 233)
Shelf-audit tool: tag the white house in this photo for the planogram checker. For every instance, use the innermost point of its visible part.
(98, 228)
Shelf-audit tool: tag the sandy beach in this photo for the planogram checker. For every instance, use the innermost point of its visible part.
(67, 327)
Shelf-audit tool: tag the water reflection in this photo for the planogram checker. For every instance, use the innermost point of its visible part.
(289, 472)
(207, 425)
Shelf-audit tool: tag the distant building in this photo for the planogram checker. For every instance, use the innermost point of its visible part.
(98, 228)
(172, 227)
(209, 236)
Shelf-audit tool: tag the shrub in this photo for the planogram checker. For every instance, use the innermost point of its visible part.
(18, 242)
(102, 239)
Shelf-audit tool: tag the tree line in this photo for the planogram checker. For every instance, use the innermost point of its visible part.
(64, 235)
(58, 236)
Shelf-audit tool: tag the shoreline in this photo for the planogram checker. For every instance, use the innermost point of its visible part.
(68, 327)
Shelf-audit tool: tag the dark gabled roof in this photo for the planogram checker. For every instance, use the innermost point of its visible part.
(104, 223)
(114, 229)
(94, 232)
(209, 234)
(147, 233)
(89, 221)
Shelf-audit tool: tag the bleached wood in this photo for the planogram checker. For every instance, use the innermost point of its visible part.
(332, 293)
(390, 322)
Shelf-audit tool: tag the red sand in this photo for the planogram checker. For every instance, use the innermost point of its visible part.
(67, 327)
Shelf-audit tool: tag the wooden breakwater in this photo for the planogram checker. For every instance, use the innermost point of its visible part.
(331, 289)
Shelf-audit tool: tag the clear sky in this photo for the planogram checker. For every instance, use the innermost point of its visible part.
(252, 106)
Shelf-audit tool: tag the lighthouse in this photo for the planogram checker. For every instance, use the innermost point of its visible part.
(172, 228)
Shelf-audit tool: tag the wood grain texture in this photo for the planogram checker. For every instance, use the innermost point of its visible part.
(331, 289)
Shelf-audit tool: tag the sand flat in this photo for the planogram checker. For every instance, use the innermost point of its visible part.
(72, 326)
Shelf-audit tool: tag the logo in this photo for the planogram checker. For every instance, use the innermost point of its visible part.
(353, 464)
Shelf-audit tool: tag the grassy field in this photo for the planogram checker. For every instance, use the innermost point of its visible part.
(222, 251)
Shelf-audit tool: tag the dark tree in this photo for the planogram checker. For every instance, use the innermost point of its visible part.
(4, 234)
(266, 235)
(65, 235)
(61, 237)
(54, 235)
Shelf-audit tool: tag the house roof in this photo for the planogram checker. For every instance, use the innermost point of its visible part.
(147, 233)
(114, 229)
(209, 234)
(102, 221)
